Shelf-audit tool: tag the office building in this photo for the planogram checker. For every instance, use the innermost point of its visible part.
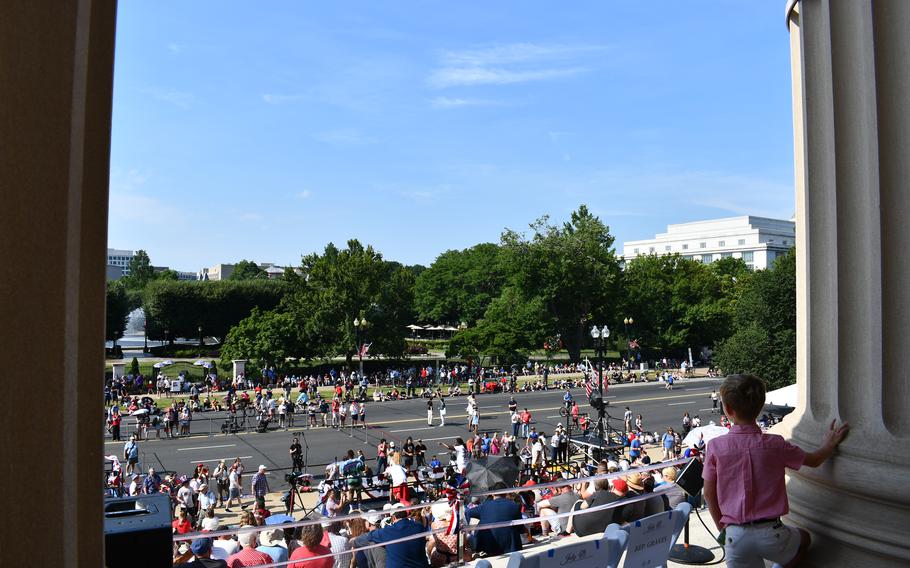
(756, 240)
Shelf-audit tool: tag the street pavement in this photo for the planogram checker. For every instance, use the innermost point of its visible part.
(396, 420)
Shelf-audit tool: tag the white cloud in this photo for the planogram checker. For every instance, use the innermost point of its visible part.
(179, 99)
(281, 99)
(175, 48)
(305, 194)
(344, 137)
(517, 53)
(469, 76)
(250, 216)
(510, 63)
(454, 102)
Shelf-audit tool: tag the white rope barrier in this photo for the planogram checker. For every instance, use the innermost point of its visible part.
(385, 512)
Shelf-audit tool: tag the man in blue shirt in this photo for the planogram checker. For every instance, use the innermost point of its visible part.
(435, 463)
(494, 542)
(634, 449)
(408, 554)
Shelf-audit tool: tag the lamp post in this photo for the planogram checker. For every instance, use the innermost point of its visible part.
(201, 342)
(360, 330)
(626, 322)
(600, 336)
(145, 339)
(167, 336)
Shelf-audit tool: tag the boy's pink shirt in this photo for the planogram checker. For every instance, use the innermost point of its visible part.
(748, 467)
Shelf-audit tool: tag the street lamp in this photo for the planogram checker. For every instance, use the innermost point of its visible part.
(360, 330)
(201, 342)
(626, 323)
(600, 336)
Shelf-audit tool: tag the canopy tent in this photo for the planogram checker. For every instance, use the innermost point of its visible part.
(414, 327)
(708, 432)
(782, 397)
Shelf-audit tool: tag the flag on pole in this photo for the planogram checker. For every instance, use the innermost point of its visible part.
(364, 349)
(589, 387)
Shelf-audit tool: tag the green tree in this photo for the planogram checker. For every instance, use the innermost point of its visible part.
(265, 338)
(134, 367)
(341, 285)
(181, 307)
(677, 303)
(459, 285)
(248, 270)
(571, 270)
(764, 322)
(118, 310)
(141, 271)
(167, 274)
(510, 327)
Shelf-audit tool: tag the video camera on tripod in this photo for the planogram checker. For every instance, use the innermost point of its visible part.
(295, 479)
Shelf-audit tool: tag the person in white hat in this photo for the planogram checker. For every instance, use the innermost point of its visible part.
(260, 487)
(272, 543)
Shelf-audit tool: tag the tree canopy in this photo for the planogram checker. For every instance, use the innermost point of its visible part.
(459, 285)
(570, 270)
(763, 341)
(248, 270)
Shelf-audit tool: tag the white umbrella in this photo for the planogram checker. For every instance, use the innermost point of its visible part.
(709, 432)
(139, 412)
(415, 327)
(166, 363)
(201, 363)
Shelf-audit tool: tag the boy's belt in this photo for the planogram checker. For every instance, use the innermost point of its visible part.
(760, 522)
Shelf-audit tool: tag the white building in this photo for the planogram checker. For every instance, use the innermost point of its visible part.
(217, 272)
(121, 259)
(756, 240)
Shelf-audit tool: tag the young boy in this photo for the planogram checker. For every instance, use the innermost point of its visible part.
(744, 480)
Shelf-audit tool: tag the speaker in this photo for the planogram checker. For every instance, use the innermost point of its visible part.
(690, 478)
(137, 532)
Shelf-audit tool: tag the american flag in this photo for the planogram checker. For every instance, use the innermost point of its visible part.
(589, 386)
(456, 495)
(364, 349)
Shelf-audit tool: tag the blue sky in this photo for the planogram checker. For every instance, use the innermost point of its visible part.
(417, 127)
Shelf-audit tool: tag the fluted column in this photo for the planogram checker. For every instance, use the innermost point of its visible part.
(851, 107)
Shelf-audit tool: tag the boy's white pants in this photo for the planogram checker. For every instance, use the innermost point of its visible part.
(748, 546)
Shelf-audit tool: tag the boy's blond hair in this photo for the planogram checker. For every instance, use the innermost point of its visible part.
(744, 394)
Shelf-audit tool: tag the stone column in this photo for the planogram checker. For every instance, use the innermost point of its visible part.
(117, 370)
(239, 367)
(851, 108)
(56, 81)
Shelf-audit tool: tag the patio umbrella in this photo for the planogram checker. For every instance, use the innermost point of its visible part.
(709, 432)
(201, 363)
(139, 412)
(414, 327)
(278, 519)
(484, 473)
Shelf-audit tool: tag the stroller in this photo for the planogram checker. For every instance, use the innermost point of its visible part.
(263, 425)
(230, 425)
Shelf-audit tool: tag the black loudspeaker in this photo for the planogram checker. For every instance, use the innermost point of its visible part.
(137, 532)
(690, 478)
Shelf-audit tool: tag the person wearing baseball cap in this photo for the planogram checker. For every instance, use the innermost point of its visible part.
(596, 522)
(202, 553)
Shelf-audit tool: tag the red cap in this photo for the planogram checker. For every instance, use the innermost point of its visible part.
(619, 484)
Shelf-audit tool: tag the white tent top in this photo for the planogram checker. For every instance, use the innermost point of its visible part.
(782, 397)
(450, 328)
(435, 328)
(414, 326)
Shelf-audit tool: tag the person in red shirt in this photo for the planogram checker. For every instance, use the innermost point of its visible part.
(575, 413)
(310, 540)
(525, 423)
(182, 524)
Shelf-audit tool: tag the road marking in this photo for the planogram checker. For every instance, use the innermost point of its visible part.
(225, 459)
(678, 403)
(490, 414)
(437, 439)
(492, 406)
(704, 409)
(414, 429)
(206, 447)
(554, 416)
